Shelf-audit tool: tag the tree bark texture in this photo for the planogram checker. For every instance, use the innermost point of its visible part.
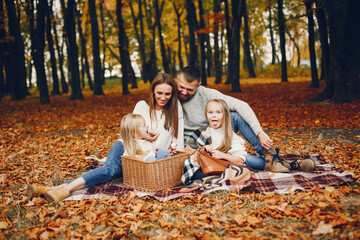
(95, 48)
(39, 45)
(73, 51)
(165, 61)
(123, 48)
(247, 53)
(201, 37)
(50, 42)
(281, 22)
(314, 73)
(192, 25)
(233, 74)
(344, 33)
(16, 63)
(323, 35)
(84, 53)
(217, 60)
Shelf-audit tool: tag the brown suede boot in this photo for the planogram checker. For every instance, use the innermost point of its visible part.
(57, 195)
(274, 162)
(34, 191)
(306, 165)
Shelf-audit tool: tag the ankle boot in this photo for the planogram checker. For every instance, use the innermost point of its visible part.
(34, 191)
(306, 165)
(274, 162)
(57, 195)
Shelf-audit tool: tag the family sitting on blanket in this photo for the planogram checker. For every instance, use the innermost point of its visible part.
(172, 122)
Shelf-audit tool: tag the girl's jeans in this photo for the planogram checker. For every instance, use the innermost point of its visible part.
(110, 170)
(160, 154)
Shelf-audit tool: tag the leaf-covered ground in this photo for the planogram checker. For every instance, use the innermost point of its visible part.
(47, 144)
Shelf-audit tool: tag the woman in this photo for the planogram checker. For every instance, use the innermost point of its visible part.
(163, 114)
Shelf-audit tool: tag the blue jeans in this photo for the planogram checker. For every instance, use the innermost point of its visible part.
(160, 154)
(255, 162)
(110, 170)
(240, 125)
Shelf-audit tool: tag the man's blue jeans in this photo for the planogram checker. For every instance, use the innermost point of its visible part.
(240, 125)
(255, 162)
(111, 169)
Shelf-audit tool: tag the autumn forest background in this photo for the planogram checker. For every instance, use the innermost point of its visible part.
(70, 70)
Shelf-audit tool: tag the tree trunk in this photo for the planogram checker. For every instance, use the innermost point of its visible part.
(296, 46)
(314, 73)
(344, 33)
(140, 38)
(2, 49)
(73, 51)
(178, 16)
(228, 38)
(56, 90)
(17, 67)
(123, 47)
(104, 45)
(165, 61)
(273, 49)
(84, 53)
(281, 21)
(233, 75)
(201, 37)
(247, 54)
(217, 60)
(323, 33)
(192, 25)
(96, 49)
(39, 44)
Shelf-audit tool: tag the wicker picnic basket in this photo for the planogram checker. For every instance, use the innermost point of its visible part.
(153, 176)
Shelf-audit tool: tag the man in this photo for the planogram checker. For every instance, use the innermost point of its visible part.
(194, 98)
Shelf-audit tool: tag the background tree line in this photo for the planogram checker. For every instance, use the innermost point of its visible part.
(71, 44)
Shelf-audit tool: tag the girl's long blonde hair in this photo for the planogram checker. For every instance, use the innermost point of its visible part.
(225, 125)
(170, 110)
(129, 128)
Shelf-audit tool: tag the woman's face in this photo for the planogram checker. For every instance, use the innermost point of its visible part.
(214, 114)
(162, 94)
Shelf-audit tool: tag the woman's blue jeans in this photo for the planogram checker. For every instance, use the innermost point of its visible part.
(110, 170)
(240, 125)
(255, 162)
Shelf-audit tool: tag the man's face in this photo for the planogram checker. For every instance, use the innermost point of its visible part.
(186, 89)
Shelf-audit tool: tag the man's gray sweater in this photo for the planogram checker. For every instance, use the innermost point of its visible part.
(194, 110)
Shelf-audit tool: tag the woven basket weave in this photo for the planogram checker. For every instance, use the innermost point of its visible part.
(153, 176)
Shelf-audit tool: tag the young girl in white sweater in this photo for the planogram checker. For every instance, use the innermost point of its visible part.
(134, 131)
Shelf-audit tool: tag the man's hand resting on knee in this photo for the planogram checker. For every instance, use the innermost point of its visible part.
(265, 140)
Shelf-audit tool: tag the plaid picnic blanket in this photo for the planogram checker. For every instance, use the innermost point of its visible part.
(324, 175)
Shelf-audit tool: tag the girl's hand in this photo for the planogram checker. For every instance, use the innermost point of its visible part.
(152, 136)
(208, 148)
(172, 149)
(218, 154)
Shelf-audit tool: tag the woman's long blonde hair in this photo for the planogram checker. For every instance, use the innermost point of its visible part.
(225, 125)
(129, 128)
(170, 110)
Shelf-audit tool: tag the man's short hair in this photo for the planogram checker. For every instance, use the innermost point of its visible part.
(190, 73)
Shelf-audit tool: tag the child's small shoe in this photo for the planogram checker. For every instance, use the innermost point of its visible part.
(57, 195)
(34, 191)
